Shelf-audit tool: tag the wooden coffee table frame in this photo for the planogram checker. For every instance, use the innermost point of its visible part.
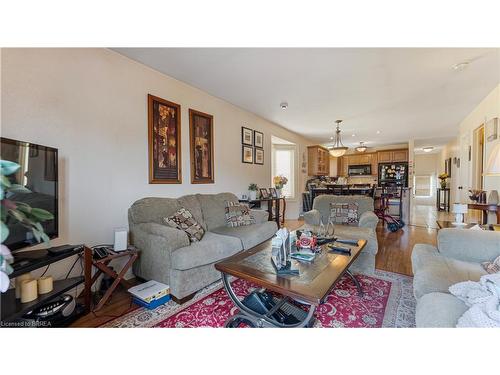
(311, 295)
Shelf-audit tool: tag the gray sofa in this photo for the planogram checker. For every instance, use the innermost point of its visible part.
(366, 228)
(456, 258)
(168, 256)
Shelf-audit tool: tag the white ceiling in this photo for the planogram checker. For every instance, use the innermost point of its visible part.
(403, 93)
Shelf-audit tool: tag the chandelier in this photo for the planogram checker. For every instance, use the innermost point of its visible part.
(361, 147)
(338, 148)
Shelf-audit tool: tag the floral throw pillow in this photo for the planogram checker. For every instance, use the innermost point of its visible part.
(238, 215)
(492, 267)
(184, 220)
(344, 213)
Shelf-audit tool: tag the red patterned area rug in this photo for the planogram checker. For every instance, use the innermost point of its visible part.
(387, 302)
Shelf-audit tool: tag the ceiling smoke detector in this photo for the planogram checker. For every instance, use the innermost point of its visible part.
(284, 105)
(461, 66)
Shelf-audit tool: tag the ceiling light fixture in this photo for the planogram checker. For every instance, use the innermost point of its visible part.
(338, 148)
(284, 105)
(378, 131)
(361, 147)
(428, 149)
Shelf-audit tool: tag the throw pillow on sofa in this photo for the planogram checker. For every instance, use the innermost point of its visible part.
(238, 215)
(492, 267)
(344, 213)
(183, 219)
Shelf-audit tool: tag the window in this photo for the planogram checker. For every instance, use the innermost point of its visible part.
(283, 163)
(423, 186)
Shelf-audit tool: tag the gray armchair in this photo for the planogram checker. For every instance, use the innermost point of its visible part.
(366, 228)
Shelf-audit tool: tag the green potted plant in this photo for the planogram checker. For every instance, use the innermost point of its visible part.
(14, 211)
(252, 191)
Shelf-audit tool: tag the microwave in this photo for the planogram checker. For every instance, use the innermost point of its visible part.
(360, 170)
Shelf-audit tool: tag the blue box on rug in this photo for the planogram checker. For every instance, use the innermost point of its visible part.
(153, 304)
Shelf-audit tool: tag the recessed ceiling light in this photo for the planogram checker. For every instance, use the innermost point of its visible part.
(284, 105)
(428, 149)
(461, 66)
(331, 137)
(353, 135)
(378, 131)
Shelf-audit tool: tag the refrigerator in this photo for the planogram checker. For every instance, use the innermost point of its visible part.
(393, 174)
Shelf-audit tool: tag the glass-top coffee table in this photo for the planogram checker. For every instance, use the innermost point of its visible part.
(310, 288)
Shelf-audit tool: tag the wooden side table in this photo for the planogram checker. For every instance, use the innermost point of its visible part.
(443, 199)
(102, 266)
(276, 208)
(485, 208)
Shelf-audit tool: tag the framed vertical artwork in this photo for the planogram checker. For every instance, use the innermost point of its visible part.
(164, 141)
(246, 136)
(259, 156)
(264, 193)
(247, 154)
(258, 139)
(201, 144)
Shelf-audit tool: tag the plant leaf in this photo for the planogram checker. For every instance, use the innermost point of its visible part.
(5, 181)
(4, 232)
(8, 167)
(41, 214)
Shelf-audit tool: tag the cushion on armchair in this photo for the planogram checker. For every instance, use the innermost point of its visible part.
(183, 219)
(344, 213)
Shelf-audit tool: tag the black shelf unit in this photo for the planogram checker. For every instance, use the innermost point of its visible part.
(12, 309)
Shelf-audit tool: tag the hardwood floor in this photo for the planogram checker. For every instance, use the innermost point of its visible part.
(394, 255)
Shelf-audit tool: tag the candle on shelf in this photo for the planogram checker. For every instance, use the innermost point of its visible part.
(28, 291)
(45, 284)
(19, 280)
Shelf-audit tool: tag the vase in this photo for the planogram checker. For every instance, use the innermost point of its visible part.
(278, 193)
(443, 184)
(252, 195)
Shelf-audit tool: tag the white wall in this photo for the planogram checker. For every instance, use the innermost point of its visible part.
(486, 110)
(92, 105)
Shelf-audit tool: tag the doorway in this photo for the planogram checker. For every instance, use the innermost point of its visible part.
(478, 159)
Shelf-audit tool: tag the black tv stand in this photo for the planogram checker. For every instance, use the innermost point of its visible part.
(12, 309)
(27, 261)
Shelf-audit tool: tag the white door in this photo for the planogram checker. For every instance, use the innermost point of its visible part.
(463, 185)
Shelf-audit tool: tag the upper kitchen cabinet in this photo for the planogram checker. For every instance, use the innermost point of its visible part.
(392, 156)
(318, 161)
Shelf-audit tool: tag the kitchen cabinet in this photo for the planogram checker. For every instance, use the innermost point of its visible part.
(357, 159)
(392, 156)
(318, 161)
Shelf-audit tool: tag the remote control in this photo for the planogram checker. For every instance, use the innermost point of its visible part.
(348, 242)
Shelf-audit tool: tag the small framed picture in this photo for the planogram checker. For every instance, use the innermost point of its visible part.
(273, 193)
(247, 154)
(258, 139)
(264, 194)
(259, 156)
(246, 136)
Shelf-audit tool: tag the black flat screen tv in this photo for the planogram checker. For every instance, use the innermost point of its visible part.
(38, 172)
